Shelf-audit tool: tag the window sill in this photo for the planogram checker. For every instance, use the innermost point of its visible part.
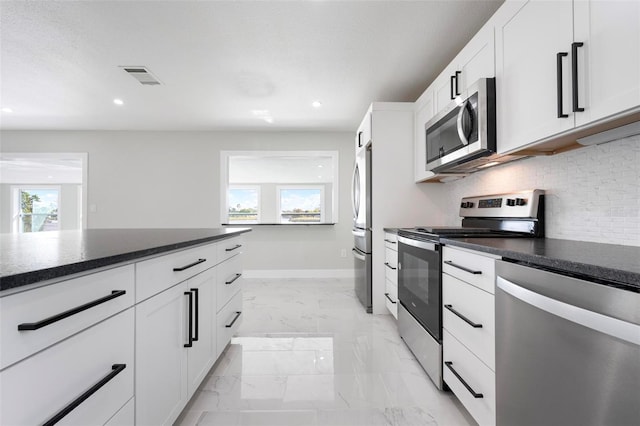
(244, 225)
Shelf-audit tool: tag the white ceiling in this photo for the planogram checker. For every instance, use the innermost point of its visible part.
(224, 65)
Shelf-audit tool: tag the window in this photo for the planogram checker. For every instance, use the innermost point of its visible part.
(244, 204)
(279, 187)
(301, 204)
(37, 209)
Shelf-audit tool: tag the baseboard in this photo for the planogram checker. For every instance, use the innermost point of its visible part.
(298, 273)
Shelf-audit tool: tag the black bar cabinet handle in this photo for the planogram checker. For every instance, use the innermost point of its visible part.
(196, 304)
(190, 295)
(462, 317)
(359, 139)
(471, 271)
(559, 57)
(390, 299)
(47, 321)
(233, 248)
(389, 266)
(475, 394)
(115, 370)
(456, 77)
(233, 279)
(238, 313)
(453, 77)
(574, 74)
(390, 242)
(191, 265)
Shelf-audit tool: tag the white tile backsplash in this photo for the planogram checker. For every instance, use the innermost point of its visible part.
(592, 193)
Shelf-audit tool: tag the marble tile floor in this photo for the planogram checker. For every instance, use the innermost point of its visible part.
(308, 354)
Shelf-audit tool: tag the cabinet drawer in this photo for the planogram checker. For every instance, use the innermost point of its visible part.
(391, 265)
(229, 280)
(391, 298)
(476, 269)
(160, 273)
(36, 389)
(477, 306)
(229, 248)
(31, 307)
(477, 376)
(228, 320)
(391, 241)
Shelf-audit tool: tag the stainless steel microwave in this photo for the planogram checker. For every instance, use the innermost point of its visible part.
(463, 136)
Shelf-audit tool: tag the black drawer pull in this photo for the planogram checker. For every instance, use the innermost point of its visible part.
(70, 312)
(238, 313)
(471, 271)
(462, 317)
(389, 266)
(233, 279)
(190, 296)
(115, 370)
(455, 373)
(390, 299)
(191, 265)
(390, 242)
(233, 248)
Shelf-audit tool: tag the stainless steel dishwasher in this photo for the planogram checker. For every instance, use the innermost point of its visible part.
(567, 350)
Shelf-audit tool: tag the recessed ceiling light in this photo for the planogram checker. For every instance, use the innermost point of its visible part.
(118, 101)
(316, 104)
(50, 177)
(320, 165)
(268, 119)
(6, 109)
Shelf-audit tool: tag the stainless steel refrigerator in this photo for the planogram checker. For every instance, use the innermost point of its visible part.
(361, 203)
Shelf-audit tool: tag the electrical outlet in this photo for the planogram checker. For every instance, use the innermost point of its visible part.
(343, 252)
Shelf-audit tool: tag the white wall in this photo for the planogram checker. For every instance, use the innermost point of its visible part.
(593, 193)
(172, 180)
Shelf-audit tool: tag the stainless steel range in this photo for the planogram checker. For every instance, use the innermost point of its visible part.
(512, 215)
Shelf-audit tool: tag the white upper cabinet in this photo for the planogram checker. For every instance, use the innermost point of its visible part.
(609, 60)
(476, 60)
(424, 111)
(527, 71)
(581, 66)
(444, 87)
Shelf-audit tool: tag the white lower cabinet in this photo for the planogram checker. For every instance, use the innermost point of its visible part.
(124, 417)
(50, 386)
(469, 379)
(468, 322)
(391, 272)
(228, 320)
(161, 358)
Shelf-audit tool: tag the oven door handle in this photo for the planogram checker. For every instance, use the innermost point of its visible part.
(418, 244)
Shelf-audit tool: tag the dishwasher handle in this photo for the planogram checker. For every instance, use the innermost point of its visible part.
(608, 325)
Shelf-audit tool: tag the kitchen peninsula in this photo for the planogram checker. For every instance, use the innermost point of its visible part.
(83, 313)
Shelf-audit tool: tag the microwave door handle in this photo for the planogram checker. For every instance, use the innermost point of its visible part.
(461, 133)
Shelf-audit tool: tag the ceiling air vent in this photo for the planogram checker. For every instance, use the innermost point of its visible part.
(143, 75)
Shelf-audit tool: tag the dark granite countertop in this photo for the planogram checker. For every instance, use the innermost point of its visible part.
(30, 258)
(608, 262)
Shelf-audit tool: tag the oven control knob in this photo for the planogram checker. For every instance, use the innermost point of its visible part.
(469, 204)
(511, 202)
(521, 202)
(463, 205)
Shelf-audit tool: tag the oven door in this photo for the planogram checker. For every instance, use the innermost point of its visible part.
(419, 283)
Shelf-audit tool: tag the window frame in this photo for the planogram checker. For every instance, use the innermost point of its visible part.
(335, 185)
(248, 187)
(16, 208)
(279, 189)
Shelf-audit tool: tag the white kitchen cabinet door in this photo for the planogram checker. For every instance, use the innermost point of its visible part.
(609, 60)
(161, 358)
(527, 43)
(202, 354)
(444, 88)
(476, 60)
(363, 135)
(424, 112)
